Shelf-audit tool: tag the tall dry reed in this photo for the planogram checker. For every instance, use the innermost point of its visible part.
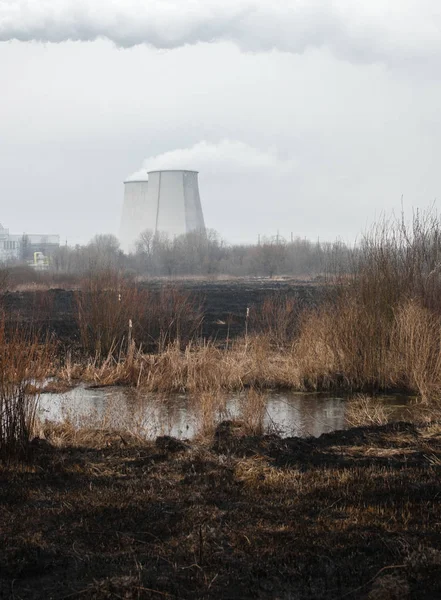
(379, 329)
(24, 364)
(365, 410)
(277, 318)
(382, 329)
(252, 411)
(399, 261)
(112, 311)
(415, 350)
(197, 368)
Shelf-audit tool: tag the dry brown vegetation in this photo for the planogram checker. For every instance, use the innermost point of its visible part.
(113, 310)
(366, 410)
(383, 329)
(347, 347)
(378, 329)
(236, 513)
(199, 367)
(277, 319)
(336, 349)
(24, 364)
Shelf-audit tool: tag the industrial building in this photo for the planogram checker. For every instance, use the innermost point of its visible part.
(165, 202)
(23, 246)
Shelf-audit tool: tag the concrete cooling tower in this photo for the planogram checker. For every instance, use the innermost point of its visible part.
(135, 201)
(168, 202)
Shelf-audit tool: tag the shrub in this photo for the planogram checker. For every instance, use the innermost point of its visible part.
(112, 311)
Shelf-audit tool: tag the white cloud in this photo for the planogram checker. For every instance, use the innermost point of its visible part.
(390, 31)
(226, 158)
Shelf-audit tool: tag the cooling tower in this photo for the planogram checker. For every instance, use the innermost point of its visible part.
(168, 203)
(133, 215)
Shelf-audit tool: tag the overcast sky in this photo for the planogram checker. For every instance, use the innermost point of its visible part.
(303, 116)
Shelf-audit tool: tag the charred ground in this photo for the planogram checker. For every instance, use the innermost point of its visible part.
(223, 304)
(352, 514)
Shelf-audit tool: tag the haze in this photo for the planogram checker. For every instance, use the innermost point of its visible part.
(311, 117)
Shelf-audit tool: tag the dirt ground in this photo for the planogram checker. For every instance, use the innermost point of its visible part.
(353, 514)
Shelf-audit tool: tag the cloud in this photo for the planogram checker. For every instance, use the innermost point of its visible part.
(227, 157)
(374, 31)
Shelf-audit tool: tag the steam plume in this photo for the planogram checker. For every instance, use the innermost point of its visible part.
(367, 31)
(228, 156)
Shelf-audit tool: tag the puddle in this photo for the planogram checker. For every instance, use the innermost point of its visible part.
(151, 415)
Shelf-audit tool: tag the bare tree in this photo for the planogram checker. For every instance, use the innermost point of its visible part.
(270, 255)
(103, 253)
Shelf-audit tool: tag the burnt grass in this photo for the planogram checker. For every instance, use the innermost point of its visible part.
(224, 305)
(353, 514)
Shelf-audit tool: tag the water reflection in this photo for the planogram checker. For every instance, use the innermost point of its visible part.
(151, 415)
(302, 415)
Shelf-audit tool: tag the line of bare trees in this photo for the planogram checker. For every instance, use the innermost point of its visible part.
(202, 254)
(205, 254)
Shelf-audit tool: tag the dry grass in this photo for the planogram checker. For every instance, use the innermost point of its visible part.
(113, 311)
(380, 329)
(336, 349)
(415, 354)
(253, 410)
(364, 410)
(276, 318)
(24, 364)
(199, 367)
(211, 408)
(348, 347)
(349, 515)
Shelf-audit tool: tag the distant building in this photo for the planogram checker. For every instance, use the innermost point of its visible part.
(163, 202)
(22, 246)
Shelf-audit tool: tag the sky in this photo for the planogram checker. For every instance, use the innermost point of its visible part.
(310, 117)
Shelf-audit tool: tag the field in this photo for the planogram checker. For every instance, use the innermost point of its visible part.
(236, 512)
(349, 515)
(224, 303)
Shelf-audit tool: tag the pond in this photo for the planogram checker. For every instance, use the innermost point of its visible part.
(151, 415)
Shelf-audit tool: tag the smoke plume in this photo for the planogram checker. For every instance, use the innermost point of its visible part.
(370, 31)
(228, 156)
